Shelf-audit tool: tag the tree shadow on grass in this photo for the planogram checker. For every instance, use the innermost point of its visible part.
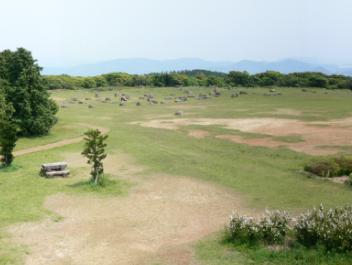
(9, 169)
(108, 186)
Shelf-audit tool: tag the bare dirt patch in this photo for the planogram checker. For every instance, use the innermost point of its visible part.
(199, 134)
(58, 99)
(161, 214)
(314, 134)
(291, 112)
(265, 142)
(120, 165)
(285, 112)
(247, 125)
(340, 180)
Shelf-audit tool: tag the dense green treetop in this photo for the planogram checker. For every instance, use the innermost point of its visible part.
(24, 89)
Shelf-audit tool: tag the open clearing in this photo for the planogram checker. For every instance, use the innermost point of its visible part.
(163, 212)
(184, 176)
(315, 135)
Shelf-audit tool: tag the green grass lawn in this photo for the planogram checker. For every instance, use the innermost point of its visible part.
(264, 177)
(215, 251)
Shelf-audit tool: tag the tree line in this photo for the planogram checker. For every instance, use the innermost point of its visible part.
(25, 106)
(202, 78)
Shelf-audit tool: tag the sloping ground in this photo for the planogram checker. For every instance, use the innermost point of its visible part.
(318, 137)
(160, 216)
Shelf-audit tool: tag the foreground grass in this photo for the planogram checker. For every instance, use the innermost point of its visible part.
(219, 252)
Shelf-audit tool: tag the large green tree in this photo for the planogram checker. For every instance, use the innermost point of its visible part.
(236, 78)
(34, 111)
(8, 131)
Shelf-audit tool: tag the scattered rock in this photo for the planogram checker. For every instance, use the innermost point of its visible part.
(217, 93)
(203, 96)
(179, 113)
(124, 98)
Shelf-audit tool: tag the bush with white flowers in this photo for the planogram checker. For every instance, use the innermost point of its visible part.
(274, 226)
(330, 228)
(243, 229)
(271, 228)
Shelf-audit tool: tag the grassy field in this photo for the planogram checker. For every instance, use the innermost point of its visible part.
(263, 177)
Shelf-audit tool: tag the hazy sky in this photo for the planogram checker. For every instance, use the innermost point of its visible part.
(65, 32)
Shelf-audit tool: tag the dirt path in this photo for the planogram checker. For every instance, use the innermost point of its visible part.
(161, 215)
(58, 144)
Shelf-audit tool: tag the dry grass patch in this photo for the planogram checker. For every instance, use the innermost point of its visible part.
(199, 134)
(313, 134)
(160, 214)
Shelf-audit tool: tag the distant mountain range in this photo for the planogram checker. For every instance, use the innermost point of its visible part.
(145, 66)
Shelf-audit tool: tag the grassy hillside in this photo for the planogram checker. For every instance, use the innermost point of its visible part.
(263, 177)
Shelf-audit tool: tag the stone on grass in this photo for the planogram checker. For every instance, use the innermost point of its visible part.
(124, 98)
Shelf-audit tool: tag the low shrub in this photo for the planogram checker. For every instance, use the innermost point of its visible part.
(243, 229)
(350, 179)
(345, 164)
(323, 167)
(274, 226)
(330, 228)
(329, 167)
